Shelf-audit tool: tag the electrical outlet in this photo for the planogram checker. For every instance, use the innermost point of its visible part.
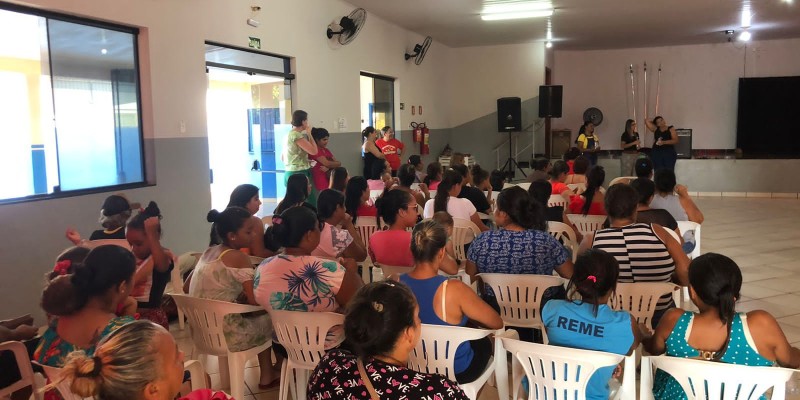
(342, 124)
(183, 126)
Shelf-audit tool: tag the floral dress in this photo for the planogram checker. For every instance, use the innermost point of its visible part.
(301, 283)
(215, 281)
(337, 377)
(53, 350)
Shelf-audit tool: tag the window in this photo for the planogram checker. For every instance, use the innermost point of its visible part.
(377, 101)
(69, 110)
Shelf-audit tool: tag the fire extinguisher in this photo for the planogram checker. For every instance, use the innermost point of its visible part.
(424, 147)
(417, 132)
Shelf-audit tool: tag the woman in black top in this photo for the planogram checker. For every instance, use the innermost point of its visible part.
(473, 194)
(646, 190)
(629, 143)
(663, 155)
(374, 160)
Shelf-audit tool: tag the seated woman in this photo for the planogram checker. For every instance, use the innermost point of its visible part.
(83, 304)
(591, 285)
(473, 194)
(558, 174)
(570, 156)
(114, 214)
(153, 264)
(325, 162)
(579, 168)
(674, 198)
(446, 200)
(140, 361)
(717, 332)
(298, 281)
(644, 214)
(521, 245)
(433, 175)
(246, 196)
(382, 326)
(297, 191)
(398, 210)
(591, 201)
(339, 178)
(338, 238)
(448, 302)
(356, 199)
(480, 180)
(653, 256)
(540, 192)
(416, 162)
(405, 177)
(225, 273)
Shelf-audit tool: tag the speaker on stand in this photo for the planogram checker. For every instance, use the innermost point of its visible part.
(509, 119)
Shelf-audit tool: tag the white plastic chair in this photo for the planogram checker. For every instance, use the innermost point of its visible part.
(621, 179)
(303, 335)
(197, 374)
(206, 321)
(25, 370)
(713, 380)
(686, 226)
(366, 227)
(578, 188)
(507, 185)
(520, 297)
(525, 185)
(464, 231)
(435, 354)
(640, 298)
(558, 373)
(176, 281)
(374, 194)
(91, 244)
(53, 374)
(564, 233)
(557, 200)
(388, 270)
(256, 260)
(587, 223)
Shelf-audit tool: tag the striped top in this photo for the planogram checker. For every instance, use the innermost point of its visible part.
(642, 256)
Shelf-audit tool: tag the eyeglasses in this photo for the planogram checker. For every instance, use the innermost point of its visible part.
(411, 207)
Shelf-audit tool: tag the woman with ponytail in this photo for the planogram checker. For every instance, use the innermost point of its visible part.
(83, 303)
(591, 201)
(585, 321)
(717, 332)
(374, 160)
(225, 273)
(447, 200)
(140, 361)
(153, 263)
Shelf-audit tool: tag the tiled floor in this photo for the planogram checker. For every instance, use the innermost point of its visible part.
(761, 235)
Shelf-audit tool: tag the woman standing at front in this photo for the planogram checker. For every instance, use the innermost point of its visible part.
(299, 145)
(664, 155)
(588, 143)
(629, 143)
(321, 171)
(374, 160)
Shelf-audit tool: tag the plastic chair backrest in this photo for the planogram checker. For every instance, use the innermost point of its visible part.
(507, 185)
(374, 194)
(557, 200)
(464, 231)
(389, 270)
(674, 235)
(622, 179)
(519, 296)
(53, 374)
(713, 380)
(303, 334)
(206, 320)
(557, 373)
(525, 185)
(255, 260)
(577, 187)
(91, 244)
(366, 227)
(587, 223)
(564, 234)
(640, 298)
(435, 352)
(686, 226)
(24, 366)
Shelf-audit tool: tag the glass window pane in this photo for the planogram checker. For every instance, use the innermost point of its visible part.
(384, 103)
(96, 105)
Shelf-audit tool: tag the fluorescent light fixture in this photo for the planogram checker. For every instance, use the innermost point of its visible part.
(499, 7)
(517, 15)
(745, 36)
(747, 17)
(549, 44)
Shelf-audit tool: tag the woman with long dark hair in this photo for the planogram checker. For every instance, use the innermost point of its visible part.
(374, 159)
(356, 199)
(298, 189)
(447, 200)
(665, 138)
(629, 143)
(325, 162)
(591, 201)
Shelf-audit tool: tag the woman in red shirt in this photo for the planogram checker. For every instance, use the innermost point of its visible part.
(558, 173)
(391, 148)
(324, 158)
(356, 199)
(591, 201)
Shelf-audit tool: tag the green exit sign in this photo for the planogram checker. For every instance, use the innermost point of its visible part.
(255, 42)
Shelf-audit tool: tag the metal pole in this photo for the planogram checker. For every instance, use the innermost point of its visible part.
(658, 86)
(633, 92)
(646, 111)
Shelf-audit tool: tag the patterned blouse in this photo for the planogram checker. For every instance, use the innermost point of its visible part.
(337, 377)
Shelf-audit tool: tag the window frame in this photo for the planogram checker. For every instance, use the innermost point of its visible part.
(57, 193)
(386, 79)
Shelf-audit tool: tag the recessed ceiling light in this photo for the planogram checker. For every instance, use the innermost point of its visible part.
(103, 51)
(548, 44)
(745, 36)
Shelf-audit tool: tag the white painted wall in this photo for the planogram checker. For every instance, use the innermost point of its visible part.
(699, 85)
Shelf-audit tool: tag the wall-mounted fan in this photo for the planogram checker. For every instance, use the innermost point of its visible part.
(349, 26)
(420, 50)
(593, 115)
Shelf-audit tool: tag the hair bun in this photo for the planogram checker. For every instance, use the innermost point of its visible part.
(152, 210)
(81, 279)
(212, 216)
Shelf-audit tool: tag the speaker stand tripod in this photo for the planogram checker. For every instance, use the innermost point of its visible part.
(508, 168)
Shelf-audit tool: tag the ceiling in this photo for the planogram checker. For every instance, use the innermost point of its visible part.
(592, 24)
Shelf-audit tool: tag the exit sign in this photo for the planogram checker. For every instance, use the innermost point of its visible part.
(255, 43)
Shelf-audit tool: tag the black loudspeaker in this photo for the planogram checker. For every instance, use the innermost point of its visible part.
(550, 101)
(509, 114)
(684, 146)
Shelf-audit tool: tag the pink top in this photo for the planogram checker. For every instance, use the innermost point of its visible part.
(434, 185)
(391, 248)
(375, 184)
(319, 176)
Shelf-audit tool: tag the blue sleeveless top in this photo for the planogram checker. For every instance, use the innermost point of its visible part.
(741, 351)
(424, 290)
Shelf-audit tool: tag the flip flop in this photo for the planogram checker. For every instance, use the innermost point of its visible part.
(272, 385)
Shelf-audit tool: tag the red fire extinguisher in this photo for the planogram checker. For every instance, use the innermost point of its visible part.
(424, 147)
(417, 132)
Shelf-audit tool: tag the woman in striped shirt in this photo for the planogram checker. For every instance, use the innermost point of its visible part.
(645, 252)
